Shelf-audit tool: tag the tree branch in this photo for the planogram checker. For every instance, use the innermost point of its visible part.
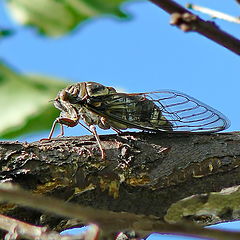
(144, 174)
(17, 229)
(110, 222)
(214, 13)
(205, 28)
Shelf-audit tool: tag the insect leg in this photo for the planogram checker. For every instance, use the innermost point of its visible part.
(118, 131)
(93, 130)
(62, 131)
(52, 129)
(85, 127)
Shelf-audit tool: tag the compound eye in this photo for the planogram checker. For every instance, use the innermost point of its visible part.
(64, 95)
(68, 97)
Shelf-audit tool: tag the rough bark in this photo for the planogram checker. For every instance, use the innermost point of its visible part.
(170, 176)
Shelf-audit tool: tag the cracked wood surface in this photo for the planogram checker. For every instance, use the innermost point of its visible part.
(144, 173)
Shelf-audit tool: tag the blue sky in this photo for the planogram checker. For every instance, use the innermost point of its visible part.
(142, 54)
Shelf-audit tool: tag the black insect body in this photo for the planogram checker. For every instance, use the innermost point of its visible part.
(158, 111)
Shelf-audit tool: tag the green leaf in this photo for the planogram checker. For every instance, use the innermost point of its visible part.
(24, 102)
(57, 17)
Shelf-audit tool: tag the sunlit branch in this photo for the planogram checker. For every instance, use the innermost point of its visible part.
(214, 13)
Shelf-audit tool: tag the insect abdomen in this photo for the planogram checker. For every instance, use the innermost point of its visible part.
(136, 109)
(151, 116)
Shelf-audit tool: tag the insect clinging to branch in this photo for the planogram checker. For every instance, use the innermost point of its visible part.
(157, 111)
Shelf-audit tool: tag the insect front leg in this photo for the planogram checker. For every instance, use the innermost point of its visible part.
(52, 130)
(62, 121)
(93, 130)
(61, 131)
(58, 120)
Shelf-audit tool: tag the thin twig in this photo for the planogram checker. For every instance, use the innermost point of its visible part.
(206, 28)
(213, 13)
(16, 228)
(109, 221)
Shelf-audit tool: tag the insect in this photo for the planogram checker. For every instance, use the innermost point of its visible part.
(157, 111)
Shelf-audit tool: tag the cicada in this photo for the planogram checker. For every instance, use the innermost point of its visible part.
(157, 111)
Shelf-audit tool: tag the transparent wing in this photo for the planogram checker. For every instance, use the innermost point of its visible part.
(178, 112)
(187, 113)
